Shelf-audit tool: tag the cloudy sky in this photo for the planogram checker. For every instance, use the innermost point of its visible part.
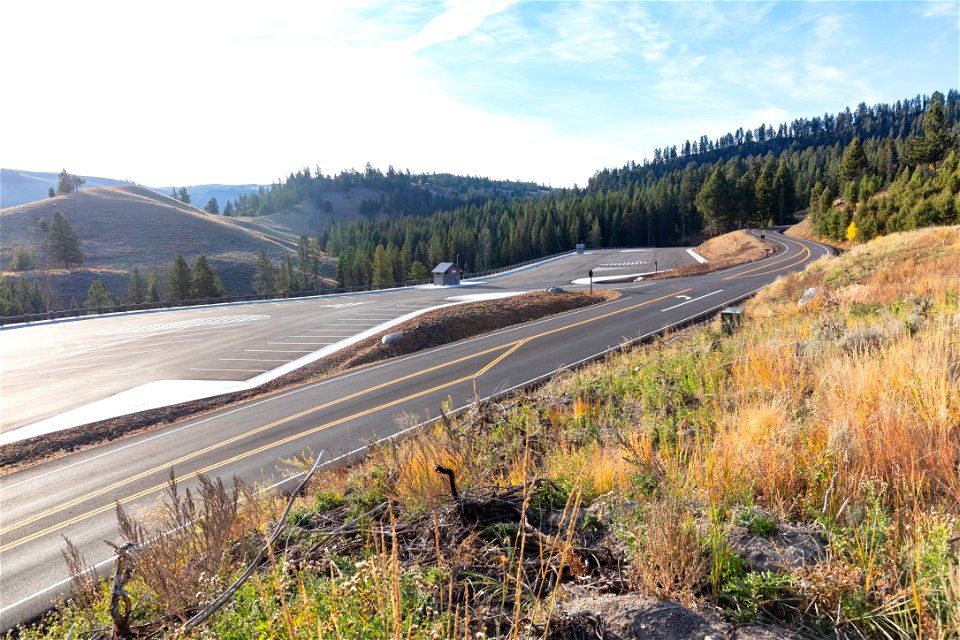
(236, 92)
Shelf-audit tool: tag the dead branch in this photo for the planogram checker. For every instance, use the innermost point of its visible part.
(230, 591)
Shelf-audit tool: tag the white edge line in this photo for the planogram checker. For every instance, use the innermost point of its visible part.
(456, 411)
(696, 256)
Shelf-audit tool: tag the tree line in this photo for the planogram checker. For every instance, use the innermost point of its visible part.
(709, 187)
(400, 192)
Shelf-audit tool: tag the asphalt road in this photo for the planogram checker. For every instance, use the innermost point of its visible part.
(50, 368)
(75, 496)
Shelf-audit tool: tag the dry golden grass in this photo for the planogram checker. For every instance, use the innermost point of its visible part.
(736, 245)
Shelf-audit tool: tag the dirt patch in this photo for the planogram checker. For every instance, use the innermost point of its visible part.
(636, 616)
(429, 330)
(725, 251)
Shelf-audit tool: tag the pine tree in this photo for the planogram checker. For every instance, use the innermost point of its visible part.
(68, 183)
(418, 272)
(228, 209)
(715, 201)
(264, 275)
(183, 196)
(154, 293)
(212, 206)
(137, 290)
(63, 245)
(179, 280)
(205, 283)
(97, 296)
(51, 193)
(285, 276)
(382, 269)
(853, 163)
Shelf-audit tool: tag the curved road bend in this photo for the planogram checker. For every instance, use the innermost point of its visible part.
(75, 496)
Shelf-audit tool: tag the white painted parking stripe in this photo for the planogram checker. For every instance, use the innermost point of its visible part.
(62, 369)
(274, 351)
(186, 324)
(233, 370)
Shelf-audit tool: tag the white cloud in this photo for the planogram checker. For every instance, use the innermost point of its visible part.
(941, 9)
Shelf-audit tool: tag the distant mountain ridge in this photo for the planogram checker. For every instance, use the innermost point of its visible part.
(21, 187)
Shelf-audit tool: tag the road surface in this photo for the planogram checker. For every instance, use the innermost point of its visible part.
(75, 496)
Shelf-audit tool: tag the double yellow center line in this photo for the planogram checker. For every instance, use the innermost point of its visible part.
(511, 347)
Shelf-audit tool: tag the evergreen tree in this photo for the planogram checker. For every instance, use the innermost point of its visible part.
(382, 269)
(154, 293)
(183, 196)
(785, 193)
(228, 209)
(63, 245)
(23, 259)
(137, 290)
(853, 164)
(180, 280)
(51, 193)
(715, 201)
(97, 296)
(264, 276)
(418, 272)
(68, 183)
(285, 276)
(932, 147)
(205, 283)
(212, 206)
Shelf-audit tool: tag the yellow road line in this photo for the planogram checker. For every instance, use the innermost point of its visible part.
(229, 441)
(803, 256)
(513, 347)
(764, 265)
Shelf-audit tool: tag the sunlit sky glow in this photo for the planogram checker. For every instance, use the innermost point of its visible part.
(245, 92)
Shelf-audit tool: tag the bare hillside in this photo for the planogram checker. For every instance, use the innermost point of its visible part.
(123, 227)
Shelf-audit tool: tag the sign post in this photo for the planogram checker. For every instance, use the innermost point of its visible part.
(591, 281)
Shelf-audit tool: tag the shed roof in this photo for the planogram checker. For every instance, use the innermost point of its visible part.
(445, 267)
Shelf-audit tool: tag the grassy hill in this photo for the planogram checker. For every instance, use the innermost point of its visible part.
(20, 187)
(802, 472)
(123, 227)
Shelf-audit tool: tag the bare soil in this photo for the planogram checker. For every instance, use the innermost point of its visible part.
(429, 330)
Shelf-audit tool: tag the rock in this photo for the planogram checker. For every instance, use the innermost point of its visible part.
(808, 296)
(790, 548)
(625, 617)
(391, 338)
(555, 290)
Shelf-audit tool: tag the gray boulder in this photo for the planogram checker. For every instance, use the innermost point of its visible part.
(391, 338)
(808, 296)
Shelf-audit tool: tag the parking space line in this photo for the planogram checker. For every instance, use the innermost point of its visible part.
(232, 370)
(275, 351)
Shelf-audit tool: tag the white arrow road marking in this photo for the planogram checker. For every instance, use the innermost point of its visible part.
(683, 297)
(693, 300)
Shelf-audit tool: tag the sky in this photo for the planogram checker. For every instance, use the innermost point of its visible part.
(185, 92)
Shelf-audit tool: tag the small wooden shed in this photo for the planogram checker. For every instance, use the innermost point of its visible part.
(446, 273)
